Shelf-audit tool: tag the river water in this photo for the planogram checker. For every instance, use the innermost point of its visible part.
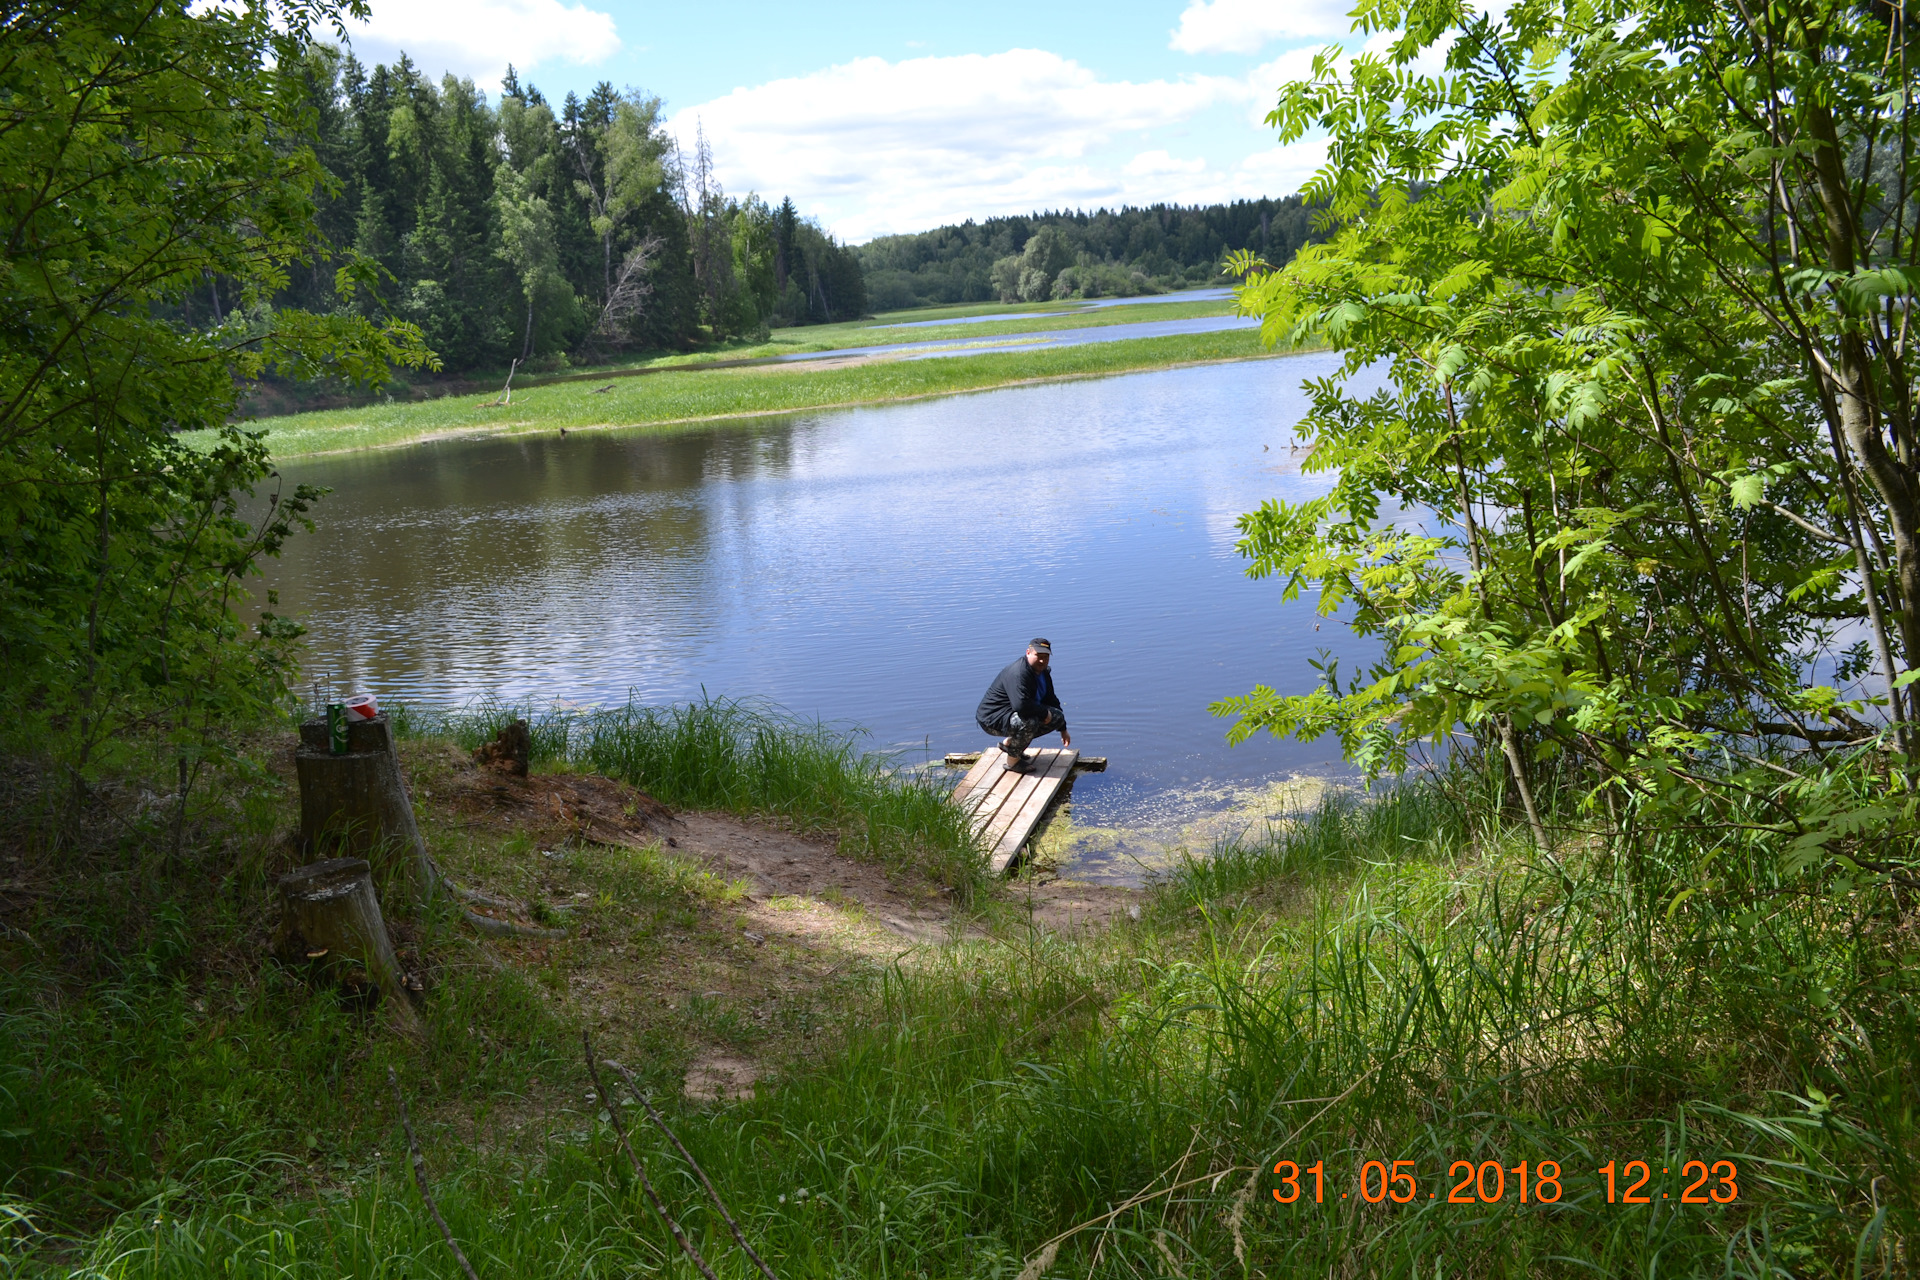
(870, 566)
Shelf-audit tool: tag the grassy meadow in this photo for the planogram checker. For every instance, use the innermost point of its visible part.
(674, 397)
(1401, 978)
(893, 326)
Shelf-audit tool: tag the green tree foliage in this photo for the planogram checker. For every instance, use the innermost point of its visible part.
(1640, 272)
(824, 281)
(131, 194)
(517, 232)
(1028, 276)
(1106, 253)
(753, 234)
(531, 248)
(727, 310)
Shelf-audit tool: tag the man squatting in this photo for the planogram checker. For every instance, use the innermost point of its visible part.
(1021, 705)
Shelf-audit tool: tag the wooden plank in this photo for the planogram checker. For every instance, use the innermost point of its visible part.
(983, 769)
(1019, 822)
(1086, 764)
(1049, 768)
(988, 774)
(992, 825)
(992, 797)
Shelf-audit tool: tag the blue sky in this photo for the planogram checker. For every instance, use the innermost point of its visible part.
(882, 118)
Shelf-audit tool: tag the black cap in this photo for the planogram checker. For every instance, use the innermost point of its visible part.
(1040, 644)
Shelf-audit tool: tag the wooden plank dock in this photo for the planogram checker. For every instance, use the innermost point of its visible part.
(1004, 806)
(1085, 764)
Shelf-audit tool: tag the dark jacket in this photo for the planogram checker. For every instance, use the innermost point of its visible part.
(1023, 688)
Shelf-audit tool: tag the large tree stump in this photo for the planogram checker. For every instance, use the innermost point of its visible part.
(330, 913)
(510, 752)
(356, 804)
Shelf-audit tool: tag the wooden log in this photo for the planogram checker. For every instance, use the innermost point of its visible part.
(356, 804)
(1086, 764)
(330, 913)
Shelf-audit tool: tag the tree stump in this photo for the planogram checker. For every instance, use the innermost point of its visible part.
(510, 752)
(331, 913)
(356, 804)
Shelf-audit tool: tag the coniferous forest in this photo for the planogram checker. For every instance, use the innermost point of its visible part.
(510, 227)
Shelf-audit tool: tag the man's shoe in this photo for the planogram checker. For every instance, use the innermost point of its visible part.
(1014, 763)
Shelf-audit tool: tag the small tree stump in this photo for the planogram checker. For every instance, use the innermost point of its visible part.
(356, 804)
(330, 911)
(510, 752)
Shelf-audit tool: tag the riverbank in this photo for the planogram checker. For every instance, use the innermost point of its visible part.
(973, 1094)
(676, 398)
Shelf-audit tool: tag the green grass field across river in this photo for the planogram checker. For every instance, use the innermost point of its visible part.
(672, 395)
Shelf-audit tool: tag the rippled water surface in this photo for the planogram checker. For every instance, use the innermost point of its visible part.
(875, 566)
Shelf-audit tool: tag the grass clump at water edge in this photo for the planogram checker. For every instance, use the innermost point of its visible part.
(754, 760)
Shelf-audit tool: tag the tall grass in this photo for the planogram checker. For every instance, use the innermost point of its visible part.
(751, 759)
(1423, 993)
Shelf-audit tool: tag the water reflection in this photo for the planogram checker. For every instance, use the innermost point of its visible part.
(871, 565)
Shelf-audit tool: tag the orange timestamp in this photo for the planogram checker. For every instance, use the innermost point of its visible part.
(1491, 1182)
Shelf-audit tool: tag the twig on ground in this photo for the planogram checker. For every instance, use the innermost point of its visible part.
(420, 1178)
(479, 898)
(646, 1183)
(1051, 1249)
(700, 1173)
(508, 929)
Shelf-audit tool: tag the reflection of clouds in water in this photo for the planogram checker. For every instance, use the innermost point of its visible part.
(1162, 829)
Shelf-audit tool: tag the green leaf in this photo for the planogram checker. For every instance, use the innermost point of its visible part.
(1748, 491)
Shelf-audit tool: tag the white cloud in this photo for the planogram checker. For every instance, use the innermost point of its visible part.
(1244, 26)
(1265, 81)
(1156, 164)
(1280, 171)
(478, 38)
(878, 147)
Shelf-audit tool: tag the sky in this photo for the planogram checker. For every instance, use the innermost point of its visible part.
(880, 118)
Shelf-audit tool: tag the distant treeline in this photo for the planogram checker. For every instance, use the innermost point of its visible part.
(516, 230)
(1079, 255)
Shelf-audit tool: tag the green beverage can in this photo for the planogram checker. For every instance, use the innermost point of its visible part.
(337, 728)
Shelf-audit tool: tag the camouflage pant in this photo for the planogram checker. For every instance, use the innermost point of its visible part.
(1021, 732)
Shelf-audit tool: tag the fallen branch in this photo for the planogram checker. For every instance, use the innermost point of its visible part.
(646, 1183)
(420, 1178)
(508, 929)
(506, 393)
(700, 1173)
(487, 924)
(478, 898)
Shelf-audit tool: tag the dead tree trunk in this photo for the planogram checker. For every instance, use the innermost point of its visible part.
(330, 913)
(356, 804)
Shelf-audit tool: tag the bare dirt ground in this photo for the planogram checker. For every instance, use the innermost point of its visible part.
(786, 929)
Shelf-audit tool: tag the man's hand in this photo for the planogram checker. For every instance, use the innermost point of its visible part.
(1066, 739)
